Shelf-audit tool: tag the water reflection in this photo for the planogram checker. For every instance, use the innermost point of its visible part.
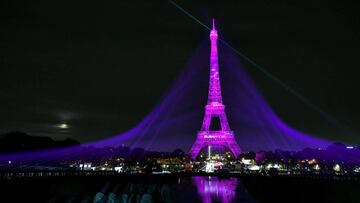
(214, 189)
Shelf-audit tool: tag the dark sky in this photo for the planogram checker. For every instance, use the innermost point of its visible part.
(100, 66)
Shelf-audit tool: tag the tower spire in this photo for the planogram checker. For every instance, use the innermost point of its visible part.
(214, 82)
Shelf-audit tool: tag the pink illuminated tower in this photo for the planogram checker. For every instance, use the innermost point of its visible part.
(214, 110)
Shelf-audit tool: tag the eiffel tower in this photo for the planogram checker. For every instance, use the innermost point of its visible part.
(214, 110)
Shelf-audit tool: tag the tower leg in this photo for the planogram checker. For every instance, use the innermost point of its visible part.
(195, 149)
(234, 148)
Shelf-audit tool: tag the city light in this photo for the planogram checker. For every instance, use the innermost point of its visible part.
(63, 126)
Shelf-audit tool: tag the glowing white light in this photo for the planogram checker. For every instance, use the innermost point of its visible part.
(210, 167)
(276, 166)
(118, 169)
(63, 126)
(246, 161)
(336, 168)
(254, 167)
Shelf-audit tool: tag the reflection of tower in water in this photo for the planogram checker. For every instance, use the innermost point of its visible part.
(213, 189)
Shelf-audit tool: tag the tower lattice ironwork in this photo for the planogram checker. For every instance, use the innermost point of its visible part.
(214, 109)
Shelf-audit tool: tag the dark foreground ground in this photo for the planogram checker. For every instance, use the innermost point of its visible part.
(182, 188)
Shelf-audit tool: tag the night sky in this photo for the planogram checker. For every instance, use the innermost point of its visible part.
(101, 66)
